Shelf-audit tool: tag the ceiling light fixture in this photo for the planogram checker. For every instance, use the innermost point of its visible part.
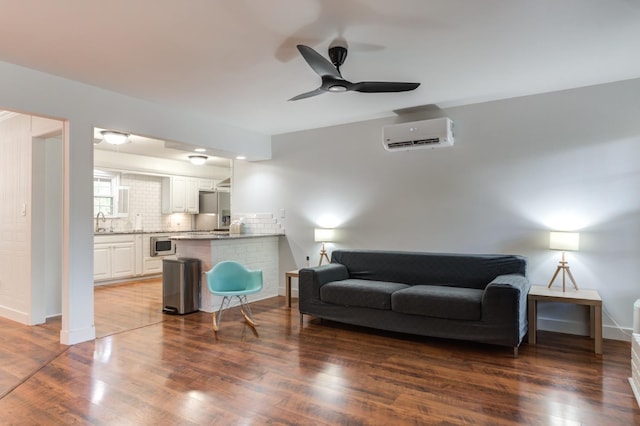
(200, 150)
(198, 160)
(241, 157)
(114, 138)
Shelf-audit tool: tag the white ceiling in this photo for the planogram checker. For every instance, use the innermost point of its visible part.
(236, 60)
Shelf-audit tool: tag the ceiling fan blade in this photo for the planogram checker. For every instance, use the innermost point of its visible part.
(383, 86)
(318, 63)
(316, 92)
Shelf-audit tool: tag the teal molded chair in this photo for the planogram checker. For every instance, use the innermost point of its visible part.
(231, 279)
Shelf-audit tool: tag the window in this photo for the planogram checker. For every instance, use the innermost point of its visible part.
(108, 196)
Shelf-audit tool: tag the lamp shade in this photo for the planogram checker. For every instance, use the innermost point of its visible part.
(566, 241)
(323, 235)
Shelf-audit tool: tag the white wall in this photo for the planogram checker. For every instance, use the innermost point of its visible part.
(15, 231)
(519, 168)
(53, 222)
(84, 107)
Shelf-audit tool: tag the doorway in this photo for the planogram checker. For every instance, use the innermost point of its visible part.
(31, 187)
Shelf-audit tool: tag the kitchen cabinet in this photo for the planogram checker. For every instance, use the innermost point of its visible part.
(114, 257)
(138, 257)
(207, 184)
(191, 195)
(122, 256)
(180, 194)
(101, 261)
(151, 265)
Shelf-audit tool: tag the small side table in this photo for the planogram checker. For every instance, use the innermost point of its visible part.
(288, 275)
(589, 298)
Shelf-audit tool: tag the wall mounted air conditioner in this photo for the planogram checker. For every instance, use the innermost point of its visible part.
(436, 133)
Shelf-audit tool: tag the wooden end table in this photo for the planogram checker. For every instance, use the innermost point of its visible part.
(288, 275)
(589, 298)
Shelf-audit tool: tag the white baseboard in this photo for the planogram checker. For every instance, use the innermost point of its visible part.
(282, 291)
(13, 315)
(72, 337)
(635, 390)
(548, 324)
(582, 329)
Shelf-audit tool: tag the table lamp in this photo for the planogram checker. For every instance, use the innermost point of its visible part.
(323, 235)
(564, 241)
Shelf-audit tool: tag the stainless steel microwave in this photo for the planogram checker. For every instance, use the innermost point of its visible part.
(162, 246)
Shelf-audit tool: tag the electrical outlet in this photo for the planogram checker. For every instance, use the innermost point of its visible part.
(283, 213)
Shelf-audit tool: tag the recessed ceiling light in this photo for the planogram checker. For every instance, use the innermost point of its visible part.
(200, 150)
(241, 157)
(198, 160)
(115, 138)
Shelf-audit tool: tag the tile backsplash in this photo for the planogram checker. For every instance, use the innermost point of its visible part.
(145, 199)
(258, 223)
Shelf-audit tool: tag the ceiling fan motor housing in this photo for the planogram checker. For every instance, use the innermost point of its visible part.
(337, 54)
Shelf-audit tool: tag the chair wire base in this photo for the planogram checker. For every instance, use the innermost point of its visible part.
(244, 308)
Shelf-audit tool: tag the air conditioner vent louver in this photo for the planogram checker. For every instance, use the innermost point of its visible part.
(400, 144)
(426, 141)
(435, 133)
(415, 142)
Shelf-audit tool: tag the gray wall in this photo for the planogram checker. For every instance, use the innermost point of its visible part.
(519, 168)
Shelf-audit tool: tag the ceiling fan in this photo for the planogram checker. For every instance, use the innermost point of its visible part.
(332, 80)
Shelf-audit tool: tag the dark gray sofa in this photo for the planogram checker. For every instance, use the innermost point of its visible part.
(476, 297)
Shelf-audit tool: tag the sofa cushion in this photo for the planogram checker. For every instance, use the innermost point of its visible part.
(439, 302)
(361, 293)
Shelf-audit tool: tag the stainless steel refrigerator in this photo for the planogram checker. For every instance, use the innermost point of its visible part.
(215, 210)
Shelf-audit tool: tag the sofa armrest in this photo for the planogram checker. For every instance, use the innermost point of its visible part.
(505, 299)
(311, 279)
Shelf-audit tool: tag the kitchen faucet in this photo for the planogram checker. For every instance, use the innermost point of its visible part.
(98, 229)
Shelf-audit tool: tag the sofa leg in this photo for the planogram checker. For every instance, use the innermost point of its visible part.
(515, 352)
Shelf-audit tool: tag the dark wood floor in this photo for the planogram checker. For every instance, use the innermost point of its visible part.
(175, 371)
(124, 307)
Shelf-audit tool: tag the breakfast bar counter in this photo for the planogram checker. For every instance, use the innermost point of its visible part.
(255, 251)
(219, 236)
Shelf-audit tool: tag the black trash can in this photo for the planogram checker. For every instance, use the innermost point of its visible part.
(180, 285)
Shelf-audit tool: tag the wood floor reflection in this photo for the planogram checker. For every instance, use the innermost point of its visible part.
(123, 307)
(175, 371)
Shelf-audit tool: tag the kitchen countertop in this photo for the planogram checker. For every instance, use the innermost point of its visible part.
(153, 232)
(213, 236)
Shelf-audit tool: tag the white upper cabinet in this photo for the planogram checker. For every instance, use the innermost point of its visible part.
(180, 195)
(206, 184)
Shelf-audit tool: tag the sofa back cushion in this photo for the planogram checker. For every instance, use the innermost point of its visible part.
(458, 270)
